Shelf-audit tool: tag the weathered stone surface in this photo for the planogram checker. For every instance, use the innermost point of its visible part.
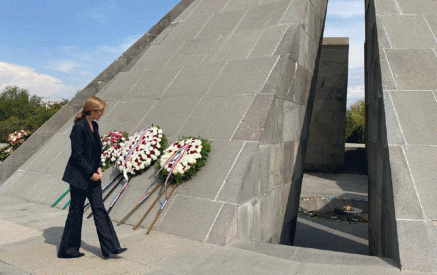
(417, 113)
(268, 41)
(221, 23)
(198, 216)
(263, 16)
(153, 83)
(243, 77)
(225, 109)
(417, 7)
(194, 81)
(417, 35)
(238, 46)
(423, 62)
(242, 183)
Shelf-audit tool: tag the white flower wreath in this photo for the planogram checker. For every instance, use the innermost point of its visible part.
(190, 154)
(140, 151)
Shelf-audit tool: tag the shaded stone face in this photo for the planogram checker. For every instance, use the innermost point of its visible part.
(401, 114)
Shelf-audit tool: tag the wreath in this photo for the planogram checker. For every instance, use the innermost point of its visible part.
(141, 151)
(112, 143)
(183, 159)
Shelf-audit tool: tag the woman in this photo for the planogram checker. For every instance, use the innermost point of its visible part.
(84, 174)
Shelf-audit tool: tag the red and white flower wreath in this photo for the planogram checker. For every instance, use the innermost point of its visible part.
(140, 151)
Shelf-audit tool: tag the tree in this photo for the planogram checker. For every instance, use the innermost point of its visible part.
(20, 111)
(355, 122)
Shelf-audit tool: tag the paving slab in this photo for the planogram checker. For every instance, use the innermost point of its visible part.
(235, 261)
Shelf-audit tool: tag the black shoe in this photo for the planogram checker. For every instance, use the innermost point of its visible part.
(73, 255)
(118, 251)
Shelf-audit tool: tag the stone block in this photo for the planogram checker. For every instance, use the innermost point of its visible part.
(58, 165)
(20, 188)
(386, 7)
(276, 166)
(187, 11)
(268, 41)
(121, 85)
(271, 134)
(126, 115)
(431, 19)
(407, 204)
(263, 16)
(194, 81)
(295, 12)
(170, 114)
(417, 7)
(421, 160)
(228, 112)
(181, 263)
(423, 62)
(270, 215)
(254, 120)
(300, 88)
(288, 40)
(417, 113)
(239, 5)
(413, 246)
(198, 216)
(388, 82)
(53, 148)
(221, 23)
(208, 7)
(289, 160)
(153, 83)
(242, 184)
(157, 56)
(249, 222)
(243, 77)
(394, 133)
(417, 35)
(193, 51)
(139, 243)
(235, 261)
(238, 46)
(281, 77)
(264, 168)
(221, 231)
(208, 182)
(292, 121)
(186, 30)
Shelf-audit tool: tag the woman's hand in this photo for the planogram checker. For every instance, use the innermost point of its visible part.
(96, 177)
(99, 171)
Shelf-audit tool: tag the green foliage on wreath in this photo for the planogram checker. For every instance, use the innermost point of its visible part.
(189, 173)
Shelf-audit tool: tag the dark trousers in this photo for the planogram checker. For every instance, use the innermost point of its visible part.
(71, 238)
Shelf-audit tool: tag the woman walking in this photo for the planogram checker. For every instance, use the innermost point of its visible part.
(84, 174)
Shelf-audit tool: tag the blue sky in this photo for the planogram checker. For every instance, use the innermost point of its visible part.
(54, 48)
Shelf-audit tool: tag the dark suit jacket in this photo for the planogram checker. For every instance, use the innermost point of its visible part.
(86, 149)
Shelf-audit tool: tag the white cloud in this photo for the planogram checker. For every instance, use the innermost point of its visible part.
(346, 8)
(64, 66)
(42, 85)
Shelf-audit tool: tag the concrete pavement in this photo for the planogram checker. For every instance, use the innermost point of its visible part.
(30, 234)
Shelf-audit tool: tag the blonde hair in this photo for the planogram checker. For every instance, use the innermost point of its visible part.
(92, 103)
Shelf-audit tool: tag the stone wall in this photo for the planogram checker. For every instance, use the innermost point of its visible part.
(325, 150)
(236, 72)
(401, 84)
